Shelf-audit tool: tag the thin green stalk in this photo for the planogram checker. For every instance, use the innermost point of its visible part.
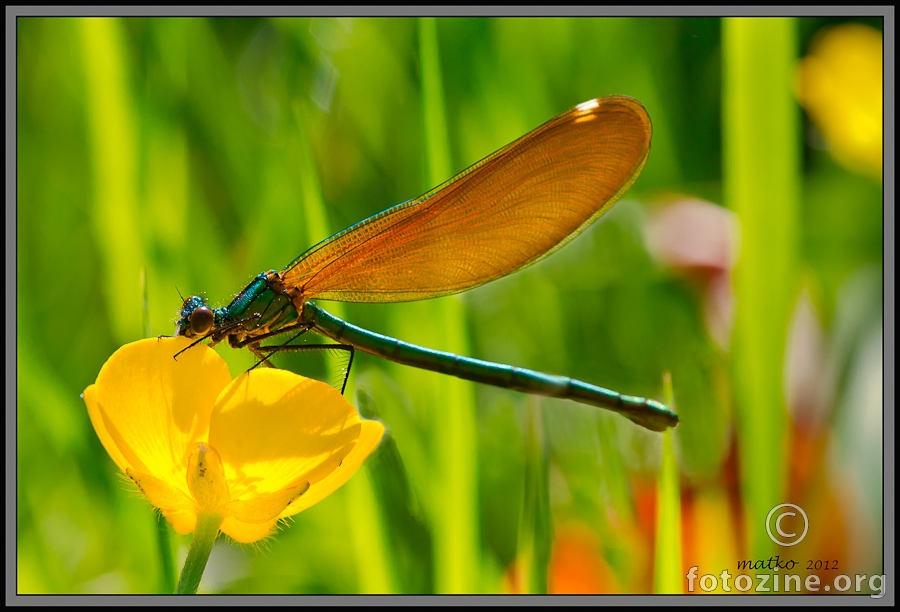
(198, 554)
(113, 141)
(762, 180)
(373, 557)
(164, 548)
(451, 402)
(535, 526)
(668, 576)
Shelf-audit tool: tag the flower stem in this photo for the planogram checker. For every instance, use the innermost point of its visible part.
(198, 554)
(164, 548)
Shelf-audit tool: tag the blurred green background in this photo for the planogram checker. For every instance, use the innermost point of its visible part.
(203, 151)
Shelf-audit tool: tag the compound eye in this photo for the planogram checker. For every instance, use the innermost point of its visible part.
(201, 321)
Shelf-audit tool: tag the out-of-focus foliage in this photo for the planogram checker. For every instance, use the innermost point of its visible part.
(199, 150)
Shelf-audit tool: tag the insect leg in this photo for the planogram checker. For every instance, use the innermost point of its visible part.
(318, 347)
(254, 343)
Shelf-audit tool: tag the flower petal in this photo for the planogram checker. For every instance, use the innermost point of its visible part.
(206, 479)
(154, 407)
(369, 438)
(90, 398)
(162, 494)
(273, 428)
(265, 507)
(182, 521)
(246, 533)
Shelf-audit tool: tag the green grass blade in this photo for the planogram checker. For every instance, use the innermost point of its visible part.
(113, 146)
(371, 544)
(452, 421)
(762, 185)
(535, 527)
(668, 577)
(410, 540)
(373, 557)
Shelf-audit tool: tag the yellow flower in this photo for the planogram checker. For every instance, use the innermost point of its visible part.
(841, 87)
(252, 451)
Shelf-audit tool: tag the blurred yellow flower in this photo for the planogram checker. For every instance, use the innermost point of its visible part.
(840, 84)
(252, 451)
